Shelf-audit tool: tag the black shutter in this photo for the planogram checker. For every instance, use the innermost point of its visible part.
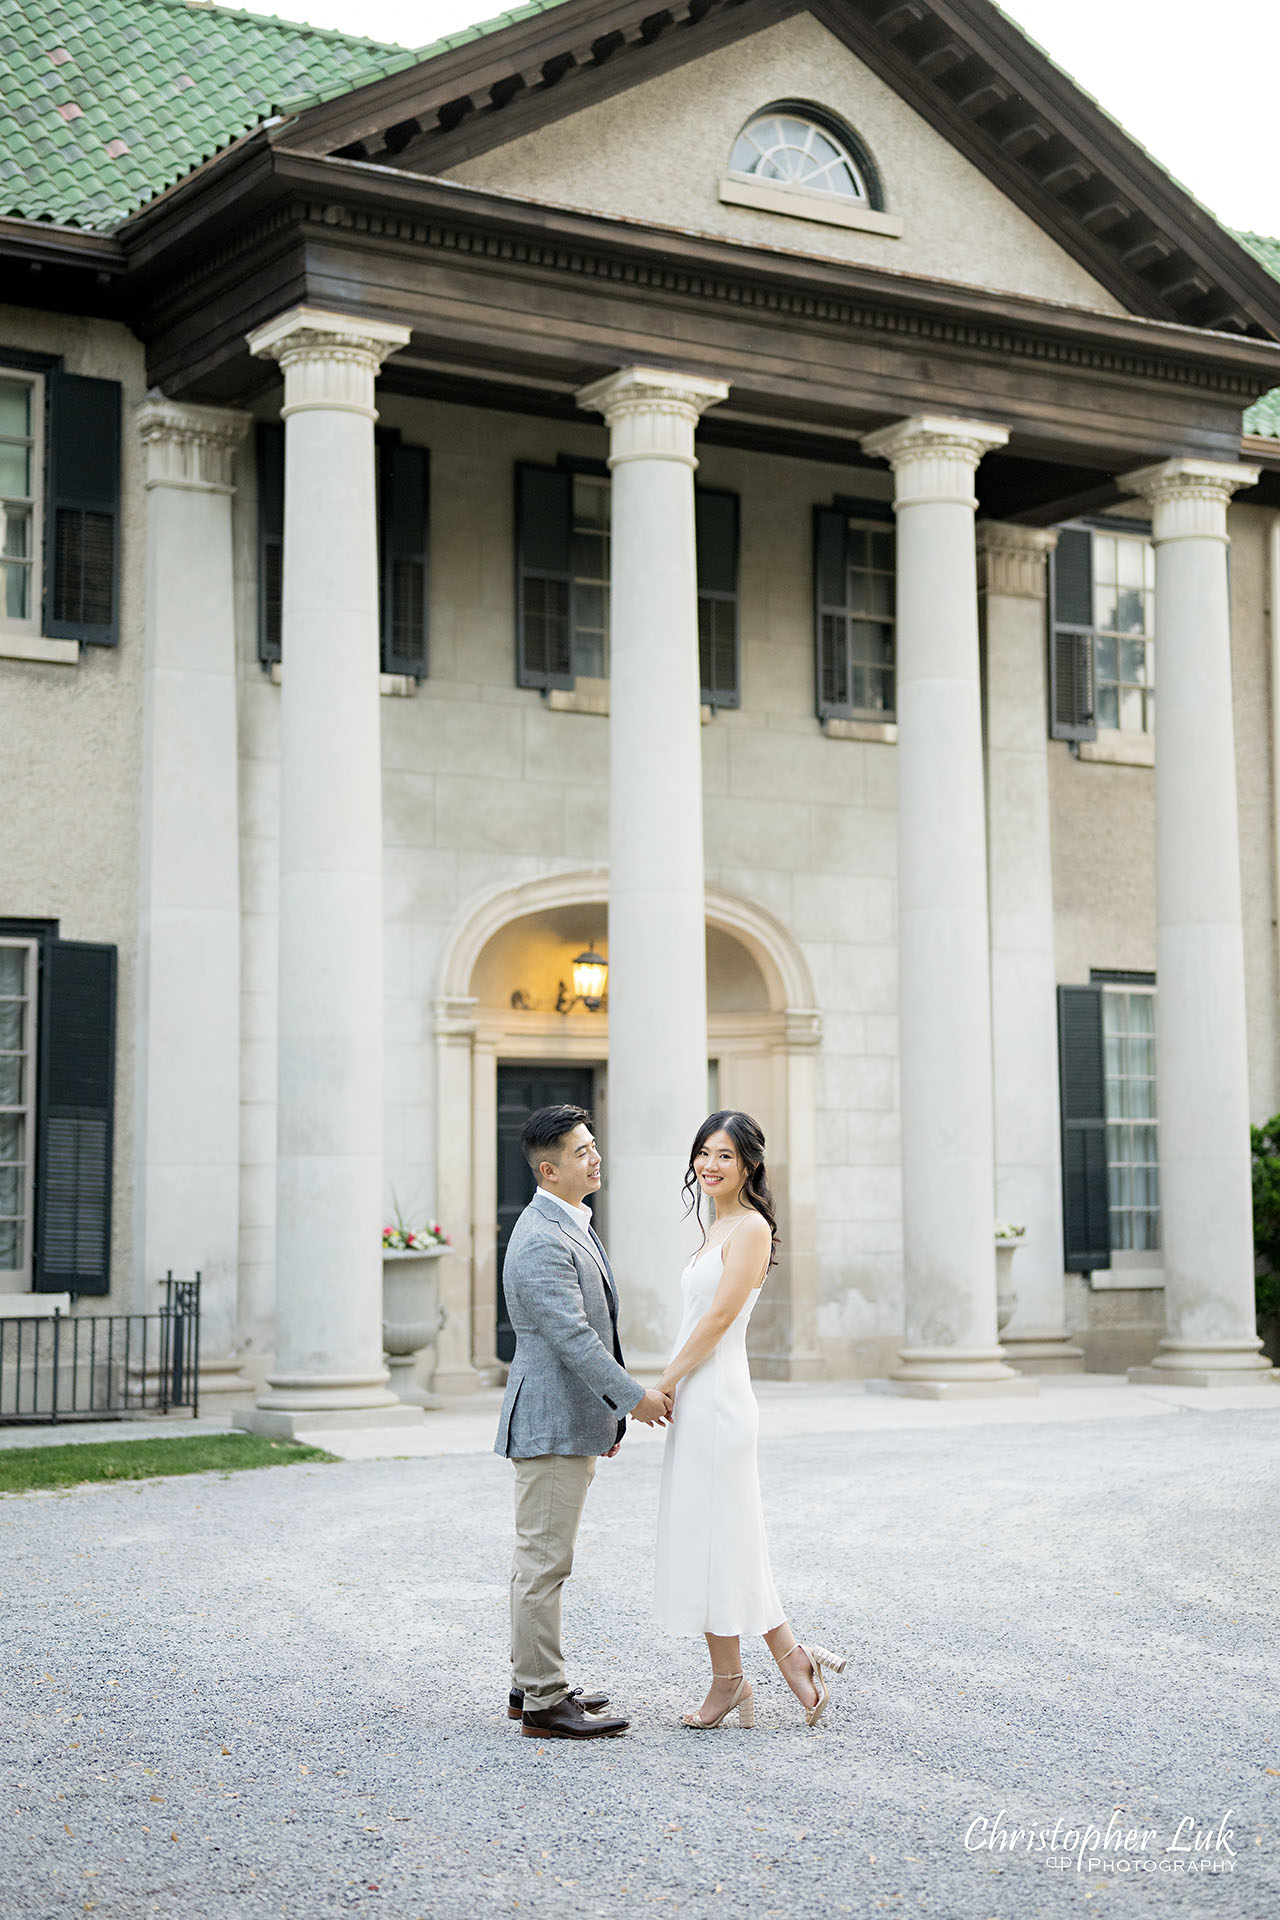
(544, 576)
(1086, 1223)
(270, 449)
(82, 532)
(716, 528)
(1071, 708)
(831, 612)
(77, 1088)
(402, 551)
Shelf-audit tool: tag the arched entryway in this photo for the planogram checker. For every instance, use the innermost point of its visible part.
(500, 974)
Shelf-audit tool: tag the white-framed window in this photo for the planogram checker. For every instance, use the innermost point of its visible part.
(785, 147)
(589, 555)
(18, 970)
(1133, 1171)
(21, 465)
(1124, 602)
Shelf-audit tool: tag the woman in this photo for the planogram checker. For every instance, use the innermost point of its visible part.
(712, 1572)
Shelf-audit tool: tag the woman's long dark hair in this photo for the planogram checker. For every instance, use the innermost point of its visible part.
(748, 1143)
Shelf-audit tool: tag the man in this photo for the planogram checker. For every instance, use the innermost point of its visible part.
(567, 1400)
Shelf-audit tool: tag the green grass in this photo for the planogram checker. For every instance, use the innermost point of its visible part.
(25, 1468)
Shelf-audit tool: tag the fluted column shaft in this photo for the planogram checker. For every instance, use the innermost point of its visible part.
(944, 973)
(1202, 1086)
(657, 915)
(328, 1346)
(186, 1195)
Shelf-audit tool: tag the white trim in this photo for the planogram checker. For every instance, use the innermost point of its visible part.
(781, 962)
(21, 1276)
(28, 630)
(1120, 747)
(16, 645)
(738, 190)
(884, 731)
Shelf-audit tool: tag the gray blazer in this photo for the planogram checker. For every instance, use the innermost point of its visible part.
(567, 1391)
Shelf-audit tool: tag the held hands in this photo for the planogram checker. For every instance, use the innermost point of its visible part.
(654, 1408)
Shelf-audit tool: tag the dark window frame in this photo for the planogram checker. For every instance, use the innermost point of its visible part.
(830, 671)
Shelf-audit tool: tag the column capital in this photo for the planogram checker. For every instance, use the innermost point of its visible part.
(651, 412)
(189, 447)
(329, 360)
(934, 457)
(1011, 559)
(1188, 498)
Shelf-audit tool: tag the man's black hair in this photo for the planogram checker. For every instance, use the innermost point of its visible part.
(543, 1131)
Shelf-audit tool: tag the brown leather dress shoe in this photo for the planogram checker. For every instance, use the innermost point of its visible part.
(589, 1702)
(567, 1721)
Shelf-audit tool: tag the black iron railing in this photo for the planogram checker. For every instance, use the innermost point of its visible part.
(103, 1366)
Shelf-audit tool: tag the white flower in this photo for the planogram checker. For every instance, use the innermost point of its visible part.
(1005, 1230)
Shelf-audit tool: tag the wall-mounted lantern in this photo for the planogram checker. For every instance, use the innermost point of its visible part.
(590, 973)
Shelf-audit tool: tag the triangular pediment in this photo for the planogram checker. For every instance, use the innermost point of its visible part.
(661, 152)
(1038, 165)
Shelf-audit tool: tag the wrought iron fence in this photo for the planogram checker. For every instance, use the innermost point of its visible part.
(103, 1366)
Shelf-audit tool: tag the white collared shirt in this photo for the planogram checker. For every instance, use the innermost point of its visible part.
(581, 1214)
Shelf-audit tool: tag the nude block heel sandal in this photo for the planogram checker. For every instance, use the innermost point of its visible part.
(818, 1658)
(743, 1699)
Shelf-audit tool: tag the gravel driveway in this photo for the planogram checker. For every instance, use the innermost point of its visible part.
(282, 1692)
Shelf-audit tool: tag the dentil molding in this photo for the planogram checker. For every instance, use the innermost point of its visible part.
(1188, 498)
(189, 447)
(329, 360)
(651, 413)
(934, 458)
(1011, 559)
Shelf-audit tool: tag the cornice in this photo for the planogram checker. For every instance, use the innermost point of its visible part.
(483, 226)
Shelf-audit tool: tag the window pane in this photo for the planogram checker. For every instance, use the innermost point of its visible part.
(17, 589)
(12, 1133)
(1131, 709)
(11, 1243)
(1130, 611)
(1104, 557)
(1105, 658)
(881, 555)
(1108, 707)
(13, 1026)
(13, 969)
(1129, 562)
(15, 407)
(15, 470)
(881, 596)
(12, 1079)
(1133, 661)
(17, 532)
(11, 1189)
(591, 503)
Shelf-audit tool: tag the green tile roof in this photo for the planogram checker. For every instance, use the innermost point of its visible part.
(105, 103)
(1263, 417)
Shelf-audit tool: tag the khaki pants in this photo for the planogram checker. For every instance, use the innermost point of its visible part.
(551, 1490)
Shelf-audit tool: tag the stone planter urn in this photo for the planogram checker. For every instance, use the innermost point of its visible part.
(1006, 1299)
(411, 1319)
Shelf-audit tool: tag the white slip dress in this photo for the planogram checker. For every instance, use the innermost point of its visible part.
(711, 1567)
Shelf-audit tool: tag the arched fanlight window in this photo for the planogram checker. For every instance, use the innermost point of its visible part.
(792, 144)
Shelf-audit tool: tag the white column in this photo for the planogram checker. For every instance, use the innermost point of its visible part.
(188, 1011)
(948, 1199)
(328, 1347)
(657, 917)
(1024, 1026)
(1202, 1085)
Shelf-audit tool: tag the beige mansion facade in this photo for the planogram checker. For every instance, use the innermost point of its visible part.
(578, 536)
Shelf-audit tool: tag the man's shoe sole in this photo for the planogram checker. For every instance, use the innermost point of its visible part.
(595, 1733)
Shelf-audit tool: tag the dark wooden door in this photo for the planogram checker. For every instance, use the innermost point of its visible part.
(521, 1091)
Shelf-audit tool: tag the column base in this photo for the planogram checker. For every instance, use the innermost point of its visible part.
(1015, 1386)
(1042, 1351)
(1155, 1376)
(311, 1423)
(1205, 1363)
